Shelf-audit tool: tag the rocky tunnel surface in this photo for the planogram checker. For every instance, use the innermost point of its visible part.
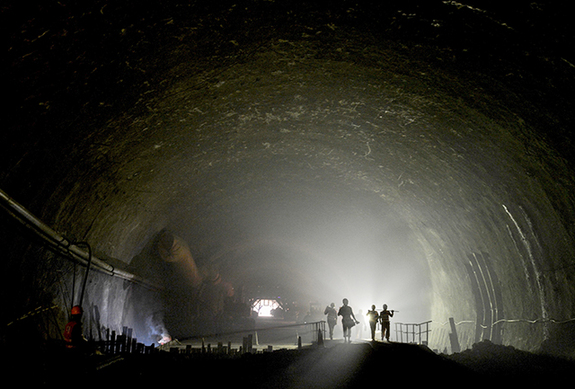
(409, 153)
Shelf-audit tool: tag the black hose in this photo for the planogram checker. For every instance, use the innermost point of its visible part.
(89, 248)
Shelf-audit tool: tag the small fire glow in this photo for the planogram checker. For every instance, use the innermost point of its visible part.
(165, 339)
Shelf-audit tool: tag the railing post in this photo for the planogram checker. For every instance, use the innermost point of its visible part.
(402, 329)
(419, 330)
(453, 337)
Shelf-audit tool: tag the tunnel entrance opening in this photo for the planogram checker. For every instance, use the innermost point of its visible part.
(266, 307)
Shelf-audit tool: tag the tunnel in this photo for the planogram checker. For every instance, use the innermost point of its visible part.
(410, 153)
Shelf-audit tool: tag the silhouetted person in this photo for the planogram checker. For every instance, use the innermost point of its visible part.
(348, 320)
(384, 320)
(73, 334)
(331, 318)
(373, 317)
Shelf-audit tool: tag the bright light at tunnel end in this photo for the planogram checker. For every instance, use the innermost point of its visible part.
(265, 307)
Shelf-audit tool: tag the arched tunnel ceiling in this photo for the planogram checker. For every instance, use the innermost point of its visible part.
(324, 149)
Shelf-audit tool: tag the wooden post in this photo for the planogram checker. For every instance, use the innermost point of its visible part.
(113, 343)
(107, 342)
(453, 337)
(120, 344)
(250, 343)
(128, 340)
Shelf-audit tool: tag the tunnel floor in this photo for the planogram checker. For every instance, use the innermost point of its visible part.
(335, 365)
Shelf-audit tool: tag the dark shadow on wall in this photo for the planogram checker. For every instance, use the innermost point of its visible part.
(148, 313)
(194, 299)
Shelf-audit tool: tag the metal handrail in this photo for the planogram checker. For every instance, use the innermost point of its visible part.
(413, 333)
(535, 321)
(319, 325)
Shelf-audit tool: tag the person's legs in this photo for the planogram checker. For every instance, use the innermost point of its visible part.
(385, 330)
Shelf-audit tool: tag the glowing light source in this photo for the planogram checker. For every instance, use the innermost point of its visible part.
(265, 307)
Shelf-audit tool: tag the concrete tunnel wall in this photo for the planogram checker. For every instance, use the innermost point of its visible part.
(360, 163)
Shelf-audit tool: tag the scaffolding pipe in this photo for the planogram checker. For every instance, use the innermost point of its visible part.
(63, 245)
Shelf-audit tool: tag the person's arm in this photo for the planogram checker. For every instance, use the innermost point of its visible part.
(352, 315)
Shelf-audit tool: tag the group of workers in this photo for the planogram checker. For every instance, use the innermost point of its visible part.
(348, 320)
(383, 319)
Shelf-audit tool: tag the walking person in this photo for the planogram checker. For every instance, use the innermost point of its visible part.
(373, 317)
(331, 318)
(348, 320)
(384, 321)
